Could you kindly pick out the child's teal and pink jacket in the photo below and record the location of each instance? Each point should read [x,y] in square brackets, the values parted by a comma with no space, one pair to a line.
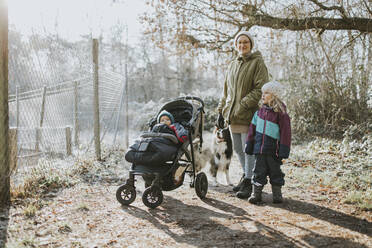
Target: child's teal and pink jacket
[269,133]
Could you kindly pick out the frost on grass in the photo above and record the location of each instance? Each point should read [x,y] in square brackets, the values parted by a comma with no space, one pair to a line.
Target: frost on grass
[335,166]
[50,175]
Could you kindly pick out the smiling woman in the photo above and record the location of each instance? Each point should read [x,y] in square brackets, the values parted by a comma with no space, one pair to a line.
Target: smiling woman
[241,93]
[71,19]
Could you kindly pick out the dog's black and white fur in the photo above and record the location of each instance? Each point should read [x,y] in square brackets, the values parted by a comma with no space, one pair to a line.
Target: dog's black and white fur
[219,157]
[222,153]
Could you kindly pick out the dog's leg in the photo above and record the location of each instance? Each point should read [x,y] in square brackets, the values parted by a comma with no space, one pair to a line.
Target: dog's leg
[213,170]
[225,168]
[214,182]
[227,178]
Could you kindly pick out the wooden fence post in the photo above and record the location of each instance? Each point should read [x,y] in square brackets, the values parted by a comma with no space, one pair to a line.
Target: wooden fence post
[13,148]
[4,108]
[76,120]
[68,141]
[97,140]
[126,131]
[38,129]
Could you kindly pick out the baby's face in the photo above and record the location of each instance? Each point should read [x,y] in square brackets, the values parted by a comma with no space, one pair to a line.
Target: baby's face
[165,120]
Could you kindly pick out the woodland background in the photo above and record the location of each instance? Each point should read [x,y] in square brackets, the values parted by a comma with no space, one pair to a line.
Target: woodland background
[321,52]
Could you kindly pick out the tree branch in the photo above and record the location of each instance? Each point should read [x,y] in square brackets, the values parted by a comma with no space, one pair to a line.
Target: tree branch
[367,7]
[199,44]
[352,23]
[339,8]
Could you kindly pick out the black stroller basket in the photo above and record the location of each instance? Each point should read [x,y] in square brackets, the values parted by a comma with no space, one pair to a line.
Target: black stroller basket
[188,111]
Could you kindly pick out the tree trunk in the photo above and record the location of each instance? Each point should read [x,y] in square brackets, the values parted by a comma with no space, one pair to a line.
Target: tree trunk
[4,108]
[354,78]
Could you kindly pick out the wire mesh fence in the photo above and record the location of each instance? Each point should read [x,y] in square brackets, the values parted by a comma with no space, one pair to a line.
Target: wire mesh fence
[51,110]
[41,116]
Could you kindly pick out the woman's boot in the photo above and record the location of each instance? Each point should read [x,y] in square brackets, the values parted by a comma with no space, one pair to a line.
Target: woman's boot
[277,193]
[237,187]
[245,190]
[256,196]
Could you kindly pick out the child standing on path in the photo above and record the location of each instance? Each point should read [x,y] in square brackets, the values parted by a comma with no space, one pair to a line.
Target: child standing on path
[269,138]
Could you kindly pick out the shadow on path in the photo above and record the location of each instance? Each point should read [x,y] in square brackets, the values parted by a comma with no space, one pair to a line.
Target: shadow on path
[326,214]
[224,226]
[317,240]
[320,212]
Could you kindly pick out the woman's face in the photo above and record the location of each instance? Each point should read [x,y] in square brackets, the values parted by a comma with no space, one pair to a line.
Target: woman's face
[244,45]
[266,97]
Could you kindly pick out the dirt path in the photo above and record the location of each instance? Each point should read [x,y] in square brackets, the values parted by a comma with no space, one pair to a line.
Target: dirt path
[88,215]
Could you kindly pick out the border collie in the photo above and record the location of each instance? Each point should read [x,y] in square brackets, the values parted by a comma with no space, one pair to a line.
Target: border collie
[222,150]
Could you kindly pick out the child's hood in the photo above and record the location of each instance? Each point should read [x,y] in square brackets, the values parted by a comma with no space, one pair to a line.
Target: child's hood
[267,107]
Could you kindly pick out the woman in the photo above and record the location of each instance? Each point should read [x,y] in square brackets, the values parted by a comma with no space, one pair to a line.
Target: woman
[245,76]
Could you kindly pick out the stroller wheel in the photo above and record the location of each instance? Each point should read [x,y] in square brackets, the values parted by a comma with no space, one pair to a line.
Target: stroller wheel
[152,197]
[201,185]
[126,194]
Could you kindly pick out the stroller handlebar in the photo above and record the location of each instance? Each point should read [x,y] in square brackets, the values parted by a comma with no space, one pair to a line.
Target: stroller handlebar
[192,98]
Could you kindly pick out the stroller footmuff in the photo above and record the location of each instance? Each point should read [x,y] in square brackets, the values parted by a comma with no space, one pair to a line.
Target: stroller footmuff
[162,160]
[151,149]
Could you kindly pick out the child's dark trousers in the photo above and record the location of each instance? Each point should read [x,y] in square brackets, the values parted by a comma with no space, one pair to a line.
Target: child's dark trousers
[267,165]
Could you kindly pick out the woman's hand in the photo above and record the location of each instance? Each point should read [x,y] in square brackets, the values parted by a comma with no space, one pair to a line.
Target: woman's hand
[220,121]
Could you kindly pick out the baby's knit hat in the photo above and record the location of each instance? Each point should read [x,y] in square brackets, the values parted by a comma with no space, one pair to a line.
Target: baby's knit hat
[274,88]
[240,34]
[164,112]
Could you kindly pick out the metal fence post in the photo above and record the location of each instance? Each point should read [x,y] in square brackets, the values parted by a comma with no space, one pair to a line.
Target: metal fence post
[76,120]
[17,107]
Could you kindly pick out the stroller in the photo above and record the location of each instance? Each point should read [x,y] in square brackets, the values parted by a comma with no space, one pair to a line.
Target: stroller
[168,175]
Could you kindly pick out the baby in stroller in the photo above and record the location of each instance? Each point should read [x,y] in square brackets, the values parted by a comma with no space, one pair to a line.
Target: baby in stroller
[163,155]
[160,144]
[167,118]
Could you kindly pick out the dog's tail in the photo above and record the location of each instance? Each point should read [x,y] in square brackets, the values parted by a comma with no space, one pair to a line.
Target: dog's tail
[207,152]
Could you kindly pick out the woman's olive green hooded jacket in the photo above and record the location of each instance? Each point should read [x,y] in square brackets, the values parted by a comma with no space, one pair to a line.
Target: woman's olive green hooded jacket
[242,88]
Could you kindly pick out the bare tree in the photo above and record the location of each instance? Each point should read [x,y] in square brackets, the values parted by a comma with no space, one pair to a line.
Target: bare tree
[235,15]
[329,69]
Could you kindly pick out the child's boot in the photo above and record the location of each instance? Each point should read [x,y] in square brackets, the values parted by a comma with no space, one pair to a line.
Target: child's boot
[237,187]
[277,193]
[256,196]
[245,190]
